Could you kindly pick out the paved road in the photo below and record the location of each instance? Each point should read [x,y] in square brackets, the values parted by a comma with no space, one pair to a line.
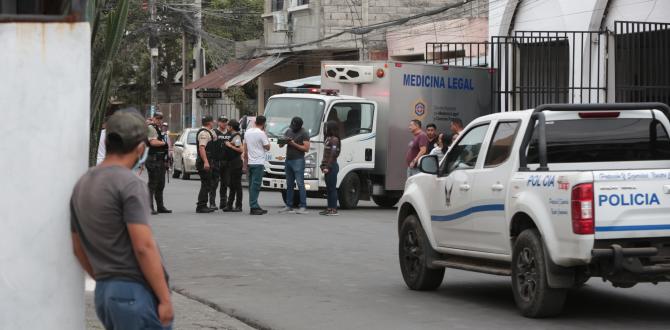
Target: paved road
[314,272]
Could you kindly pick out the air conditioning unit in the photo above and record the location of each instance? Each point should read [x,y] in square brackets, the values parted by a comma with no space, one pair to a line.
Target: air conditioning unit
[279,21]
[354,74]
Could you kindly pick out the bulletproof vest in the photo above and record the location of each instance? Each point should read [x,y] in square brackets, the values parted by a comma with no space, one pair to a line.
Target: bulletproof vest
[162,149]
[208,148]
[230,154]
[219,145]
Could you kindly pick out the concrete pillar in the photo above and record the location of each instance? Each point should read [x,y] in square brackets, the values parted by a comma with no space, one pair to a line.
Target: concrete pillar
[44,100]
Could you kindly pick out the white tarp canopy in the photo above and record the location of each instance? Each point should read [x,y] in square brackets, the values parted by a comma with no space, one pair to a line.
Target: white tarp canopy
[309,81]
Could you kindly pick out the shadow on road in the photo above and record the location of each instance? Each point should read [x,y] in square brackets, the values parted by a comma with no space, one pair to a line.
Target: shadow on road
[588,304]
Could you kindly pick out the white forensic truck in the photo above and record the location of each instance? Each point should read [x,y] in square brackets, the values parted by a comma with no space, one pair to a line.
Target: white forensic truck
[550,196]
[373,103]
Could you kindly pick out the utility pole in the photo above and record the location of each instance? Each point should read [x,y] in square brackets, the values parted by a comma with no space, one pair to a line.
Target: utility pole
[184,75]
[197,55]
[363,52]
[153,48]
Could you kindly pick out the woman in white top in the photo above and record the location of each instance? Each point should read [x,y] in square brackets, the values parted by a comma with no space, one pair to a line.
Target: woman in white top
[442,146]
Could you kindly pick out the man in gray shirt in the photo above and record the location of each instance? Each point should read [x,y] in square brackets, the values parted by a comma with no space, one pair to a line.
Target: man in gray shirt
[111,235]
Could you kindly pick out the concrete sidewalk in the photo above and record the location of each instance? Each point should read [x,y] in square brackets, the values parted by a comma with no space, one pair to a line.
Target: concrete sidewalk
[189,315]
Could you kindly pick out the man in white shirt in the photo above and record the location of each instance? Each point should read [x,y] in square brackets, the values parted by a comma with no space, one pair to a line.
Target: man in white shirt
[256,144]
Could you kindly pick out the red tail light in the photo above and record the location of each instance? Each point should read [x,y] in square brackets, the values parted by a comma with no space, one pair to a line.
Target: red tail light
[582,209]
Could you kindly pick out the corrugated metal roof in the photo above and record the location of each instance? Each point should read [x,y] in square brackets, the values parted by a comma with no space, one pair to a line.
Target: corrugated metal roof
[235,73]
[309,81]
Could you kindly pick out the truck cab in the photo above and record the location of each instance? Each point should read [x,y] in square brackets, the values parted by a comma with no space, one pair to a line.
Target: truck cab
[357,119]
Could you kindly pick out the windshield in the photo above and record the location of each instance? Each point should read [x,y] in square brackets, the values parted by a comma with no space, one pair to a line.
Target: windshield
[280,111]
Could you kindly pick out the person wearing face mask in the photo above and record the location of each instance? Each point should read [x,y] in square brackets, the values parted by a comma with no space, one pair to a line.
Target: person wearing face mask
[297,144]
[111,236]
[158,155]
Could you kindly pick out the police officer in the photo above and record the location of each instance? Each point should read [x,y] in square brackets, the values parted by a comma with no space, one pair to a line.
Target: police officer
[155,164]
[233,159]
[219,164]
[203,163]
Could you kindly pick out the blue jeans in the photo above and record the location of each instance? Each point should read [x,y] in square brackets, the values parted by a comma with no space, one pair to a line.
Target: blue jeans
[295,173]
[331,185]
[255,179]
[124,304]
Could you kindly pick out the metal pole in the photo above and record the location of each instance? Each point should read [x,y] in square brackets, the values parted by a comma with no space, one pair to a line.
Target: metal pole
[153,49]
[183,79]
[197,71]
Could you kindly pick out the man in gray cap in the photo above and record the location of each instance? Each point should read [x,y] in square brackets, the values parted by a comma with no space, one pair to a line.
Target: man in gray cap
[111,235]
[156,163]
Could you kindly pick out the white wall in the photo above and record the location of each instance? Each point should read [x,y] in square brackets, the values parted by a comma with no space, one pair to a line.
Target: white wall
[574,15]
[44,108]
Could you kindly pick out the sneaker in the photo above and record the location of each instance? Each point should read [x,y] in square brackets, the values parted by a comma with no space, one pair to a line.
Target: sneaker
[324,212]
[257,212]
[332,213]
[302,210]
[237,209]
[163,210]
[286,209]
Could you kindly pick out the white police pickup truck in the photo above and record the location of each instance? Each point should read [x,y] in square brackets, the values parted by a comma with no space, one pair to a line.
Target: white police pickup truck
[550,196]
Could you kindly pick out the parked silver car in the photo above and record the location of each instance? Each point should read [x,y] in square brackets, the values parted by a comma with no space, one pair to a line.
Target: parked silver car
[185,154]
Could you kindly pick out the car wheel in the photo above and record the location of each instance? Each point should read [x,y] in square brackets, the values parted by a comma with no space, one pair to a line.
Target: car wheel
[532,293]
[349,191]
[386,202]
[413,250]
[184,174]
[296,198]
[175,172]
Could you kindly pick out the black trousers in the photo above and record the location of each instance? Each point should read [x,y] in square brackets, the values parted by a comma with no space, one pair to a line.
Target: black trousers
[205,187]
[219,176]
[155,165]
[234,177]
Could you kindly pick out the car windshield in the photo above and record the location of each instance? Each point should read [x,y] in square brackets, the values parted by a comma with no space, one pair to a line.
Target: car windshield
[190,138]
[280,111]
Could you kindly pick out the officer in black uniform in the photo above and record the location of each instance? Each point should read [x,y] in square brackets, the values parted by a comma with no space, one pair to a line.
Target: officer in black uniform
[219,164]
[203,163]
[156,163]
[233,159]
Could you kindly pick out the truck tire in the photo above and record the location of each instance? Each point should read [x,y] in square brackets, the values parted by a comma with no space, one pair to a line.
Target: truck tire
[349,191]
[386,202]
[413,249]
[296,198]
[175,173]
[532,293]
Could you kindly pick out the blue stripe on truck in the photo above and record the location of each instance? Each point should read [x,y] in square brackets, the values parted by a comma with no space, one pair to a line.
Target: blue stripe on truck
[468,211]
[633,228]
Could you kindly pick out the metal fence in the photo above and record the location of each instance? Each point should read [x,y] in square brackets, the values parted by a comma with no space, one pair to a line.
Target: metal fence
[173,115]
[471,54]
[536,67]
[642,61]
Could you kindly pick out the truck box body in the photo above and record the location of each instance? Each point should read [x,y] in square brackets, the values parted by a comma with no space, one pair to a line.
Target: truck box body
[431,93]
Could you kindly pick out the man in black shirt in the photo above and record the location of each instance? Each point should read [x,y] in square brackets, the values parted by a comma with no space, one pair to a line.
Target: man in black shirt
[297,144]
[219,164]
[233,157]
[431,133]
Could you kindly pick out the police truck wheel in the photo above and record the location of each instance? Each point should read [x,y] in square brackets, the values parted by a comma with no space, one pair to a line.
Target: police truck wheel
[386,202]
[349,191]
[175,173]
[532,293]
[413,249]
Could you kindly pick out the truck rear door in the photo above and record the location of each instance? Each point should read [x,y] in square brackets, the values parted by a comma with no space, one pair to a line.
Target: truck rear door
[630,204]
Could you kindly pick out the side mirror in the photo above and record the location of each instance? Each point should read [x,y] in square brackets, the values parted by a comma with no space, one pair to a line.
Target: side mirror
[429,164]
[178,144]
